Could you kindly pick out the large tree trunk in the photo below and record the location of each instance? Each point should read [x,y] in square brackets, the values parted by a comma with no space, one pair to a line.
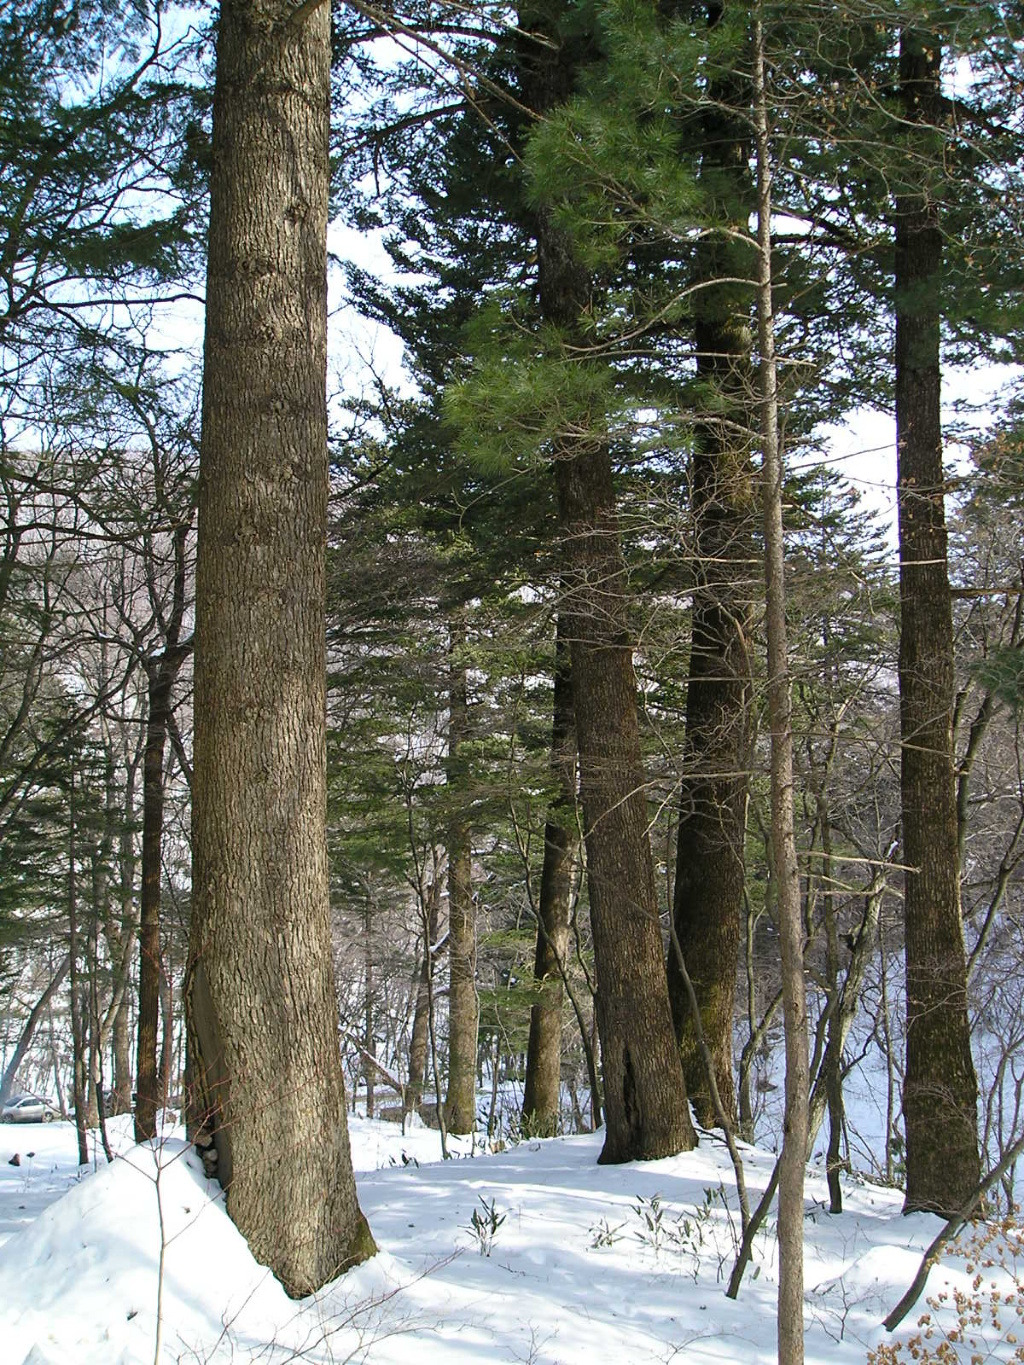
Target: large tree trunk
[940,1088]
[708,893]
[264,1052]
[646,1110]
[463,1005]
[542,1093]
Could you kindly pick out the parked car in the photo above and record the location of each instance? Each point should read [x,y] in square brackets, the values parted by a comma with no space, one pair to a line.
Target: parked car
[26,1109]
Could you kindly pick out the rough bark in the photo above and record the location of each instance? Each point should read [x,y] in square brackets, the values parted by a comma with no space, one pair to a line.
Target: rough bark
[94,1057]
[264,1055]
[463,1004]
[940,1086]
[646,1110]
[542,1091]
[708,889]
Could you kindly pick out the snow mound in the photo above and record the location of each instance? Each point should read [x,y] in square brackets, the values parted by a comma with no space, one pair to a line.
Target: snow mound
[81,1283]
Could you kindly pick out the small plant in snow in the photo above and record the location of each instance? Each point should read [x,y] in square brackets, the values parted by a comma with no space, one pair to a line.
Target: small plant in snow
[655,1228]
[602,1234]
[725,1248]
[693,1235]
[484,1224]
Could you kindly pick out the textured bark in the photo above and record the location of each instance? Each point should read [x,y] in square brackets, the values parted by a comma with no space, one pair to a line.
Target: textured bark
[940,1087]
[542,1091]
[646,1110]
[264,1055]
[119,1097]
[708,891]
[463,1005]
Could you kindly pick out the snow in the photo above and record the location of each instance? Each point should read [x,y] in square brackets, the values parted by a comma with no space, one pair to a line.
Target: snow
[609,1263]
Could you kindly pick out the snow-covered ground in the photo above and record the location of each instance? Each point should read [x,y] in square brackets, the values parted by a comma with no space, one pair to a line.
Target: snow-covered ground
[587,1264]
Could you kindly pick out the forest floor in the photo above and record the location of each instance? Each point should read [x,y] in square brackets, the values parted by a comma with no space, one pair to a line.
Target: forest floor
[534,1254]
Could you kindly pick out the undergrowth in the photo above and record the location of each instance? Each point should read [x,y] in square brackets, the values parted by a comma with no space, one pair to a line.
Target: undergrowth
[981,1323]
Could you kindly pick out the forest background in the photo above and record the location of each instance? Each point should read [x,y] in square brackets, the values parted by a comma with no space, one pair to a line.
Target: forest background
[568,198]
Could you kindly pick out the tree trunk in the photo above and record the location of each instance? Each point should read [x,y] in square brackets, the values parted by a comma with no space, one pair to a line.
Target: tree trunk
[119,1098]
[780,712]
[79,1071]
[264,1053]
[28,1032]
[940,1087]
[147,1081]
[708,893]
[419,1043]
[832,1063]
[120,934]
[161,671]
[463,1006]
[542,1094]
[166,1065]
[369,1041]
[646,1110]
[94,1097]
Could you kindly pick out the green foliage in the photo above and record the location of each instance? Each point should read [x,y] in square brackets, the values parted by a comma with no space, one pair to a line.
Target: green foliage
[89,212]
[1002,674]
[525,394]
[484,1223]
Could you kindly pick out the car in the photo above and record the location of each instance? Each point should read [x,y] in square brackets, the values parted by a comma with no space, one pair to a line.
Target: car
[26,1109]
